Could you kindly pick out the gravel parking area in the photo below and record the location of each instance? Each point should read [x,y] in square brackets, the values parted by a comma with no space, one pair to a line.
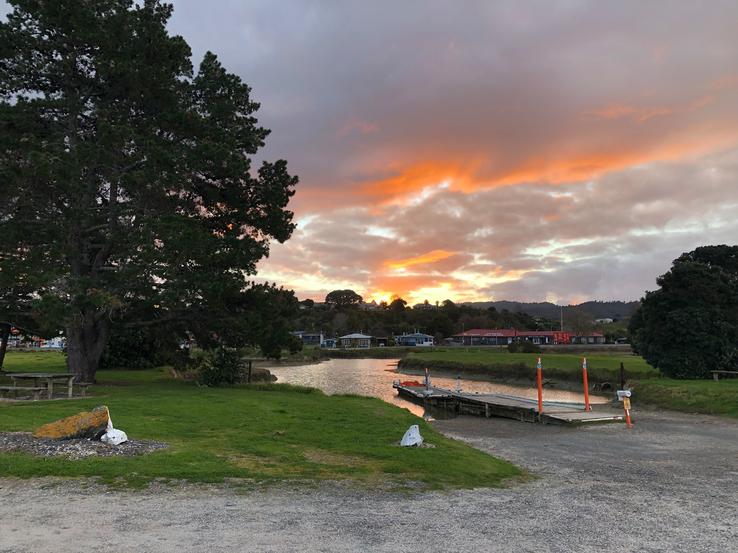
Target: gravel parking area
[669,484]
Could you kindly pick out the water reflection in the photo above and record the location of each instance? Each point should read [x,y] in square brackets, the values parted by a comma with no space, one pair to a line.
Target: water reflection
[374,377]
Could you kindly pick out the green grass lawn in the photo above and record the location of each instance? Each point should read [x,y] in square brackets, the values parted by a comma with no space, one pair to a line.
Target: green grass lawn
[601,366]
[692,396]
[262,433]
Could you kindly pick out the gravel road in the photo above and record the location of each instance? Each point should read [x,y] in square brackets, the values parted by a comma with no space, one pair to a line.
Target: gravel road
[669,484]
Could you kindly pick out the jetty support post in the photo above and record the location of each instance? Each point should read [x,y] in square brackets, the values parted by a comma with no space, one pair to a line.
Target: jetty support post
[539,382]
[587,406]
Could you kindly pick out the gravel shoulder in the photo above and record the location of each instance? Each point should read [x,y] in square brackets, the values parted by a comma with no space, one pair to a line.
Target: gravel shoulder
[669,484]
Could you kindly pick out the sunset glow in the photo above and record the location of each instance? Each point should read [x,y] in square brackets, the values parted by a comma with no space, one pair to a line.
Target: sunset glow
[495,151]
[423,259]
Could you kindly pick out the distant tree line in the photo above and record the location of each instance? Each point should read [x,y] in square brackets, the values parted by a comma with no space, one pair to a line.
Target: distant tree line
[343,312]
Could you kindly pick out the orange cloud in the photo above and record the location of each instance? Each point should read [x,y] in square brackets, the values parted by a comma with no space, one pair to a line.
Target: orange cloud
[430,257]
[419,176]
[585,167]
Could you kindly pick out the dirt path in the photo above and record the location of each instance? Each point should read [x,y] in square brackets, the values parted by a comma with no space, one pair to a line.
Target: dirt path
[670,484]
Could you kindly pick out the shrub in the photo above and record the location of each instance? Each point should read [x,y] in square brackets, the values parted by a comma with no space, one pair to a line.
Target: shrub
[523,346]
[217,367]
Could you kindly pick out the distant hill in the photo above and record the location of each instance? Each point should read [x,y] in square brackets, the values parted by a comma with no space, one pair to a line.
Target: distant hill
[594,309]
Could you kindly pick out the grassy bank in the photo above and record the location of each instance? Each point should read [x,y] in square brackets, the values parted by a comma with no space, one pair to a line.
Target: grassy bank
[691,396]
[368,353]
[504,365]
[311,354]
[263,433]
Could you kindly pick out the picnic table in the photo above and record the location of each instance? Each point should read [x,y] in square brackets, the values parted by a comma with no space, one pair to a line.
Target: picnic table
[716,374]
[46,379]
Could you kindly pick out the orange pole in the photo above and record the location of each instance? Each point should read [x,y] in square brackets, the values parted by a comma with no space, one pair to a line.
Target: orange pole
[587,406]
[626,407]
[539,381]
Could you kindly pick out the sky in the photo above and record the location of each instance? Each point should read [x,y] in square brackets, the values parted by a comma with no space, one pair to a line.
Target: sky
[524,150]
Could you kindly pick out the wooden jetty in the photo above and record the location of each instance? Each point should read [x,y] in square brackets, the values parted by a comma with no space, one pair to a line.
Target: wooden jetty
[503,405]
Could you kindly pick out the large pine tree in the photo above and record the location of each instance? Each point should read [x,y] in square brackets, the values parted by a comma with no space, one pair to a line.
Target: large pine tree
[126,187]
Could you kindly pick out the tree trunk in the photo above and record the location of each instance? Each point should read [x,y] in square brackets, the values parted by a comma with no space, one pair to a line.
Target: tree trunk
[87,335]
[4,335]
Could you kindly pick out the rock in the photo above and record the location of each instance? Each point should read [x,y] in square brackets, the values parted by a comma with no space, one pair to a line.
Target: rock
[87,424]
[262,375]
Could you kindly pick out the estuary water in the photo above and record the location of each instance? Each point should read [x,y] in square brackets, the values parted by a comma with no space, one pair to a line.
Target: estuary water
[374,377]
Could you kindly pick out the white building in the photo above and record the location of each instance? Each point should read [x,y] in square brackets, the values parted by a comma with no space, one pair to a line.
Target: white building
[356,340]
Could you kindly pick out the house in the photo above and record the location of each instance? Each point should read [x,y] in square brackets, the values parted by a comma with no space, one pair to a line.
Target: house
[543,337]
[309,338]
[329,343]
[414,339]
[505,336]
[355,340]
[56,343]
[486,337]
[589,338]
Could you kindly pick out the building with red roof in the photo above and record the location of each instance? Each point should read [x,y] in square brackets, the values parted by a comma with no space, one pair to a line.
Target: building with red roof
[505,336]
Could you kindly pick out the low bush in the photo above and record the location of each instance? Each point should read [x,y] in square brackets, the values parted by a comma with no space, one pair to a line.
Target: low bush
[524,346]
[217,367]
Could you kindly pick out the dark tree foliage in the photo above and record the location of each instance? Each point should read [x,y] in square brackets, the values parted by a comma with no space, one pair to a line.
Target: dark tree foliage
[343,298]
[141,348]
[398,304]
[689,326]
[126,182]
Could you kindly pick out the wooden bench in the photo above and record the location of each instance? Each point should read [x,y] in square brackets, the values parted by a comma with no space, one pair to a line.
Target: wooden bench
[35,390]
[716,374]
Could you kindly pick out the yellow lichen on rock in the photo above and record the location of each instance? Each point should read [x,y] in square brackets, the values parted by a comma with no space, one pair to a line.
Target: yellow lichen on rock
[87,424]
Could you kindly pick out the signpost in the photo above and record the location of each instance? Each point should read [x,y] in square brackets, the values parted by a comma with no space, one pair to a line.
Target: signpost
[624,396]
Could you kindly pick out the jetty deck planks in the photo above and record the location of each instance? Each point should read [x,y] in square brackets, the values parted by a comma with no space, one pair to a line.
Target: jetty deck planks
[503,405]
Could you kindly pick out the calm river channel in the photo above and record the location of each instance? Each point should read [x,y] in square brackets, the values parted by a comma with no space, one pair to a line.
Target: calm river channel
[374,377]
